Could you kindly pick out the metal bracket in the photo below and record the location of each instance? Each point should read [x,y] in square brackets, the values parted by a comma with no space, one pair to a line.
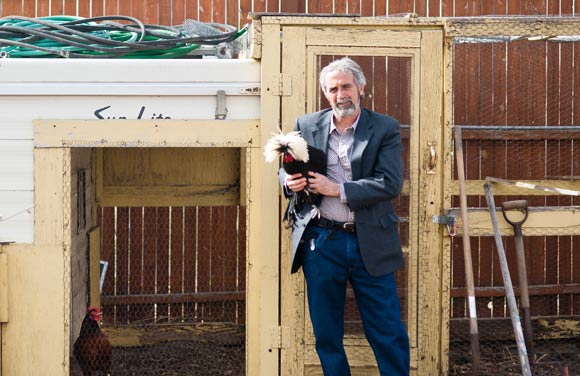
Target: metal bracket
[448,220]
[221,110]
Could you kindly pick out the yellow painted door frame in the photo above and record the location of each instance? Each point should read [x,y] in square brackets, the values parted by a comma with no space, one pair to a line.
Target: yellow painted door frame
[53,142]
[302,40]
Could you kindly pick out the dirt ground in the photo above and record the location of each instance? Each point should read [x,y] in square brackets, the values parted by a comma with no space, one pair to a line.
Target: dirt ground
[219,350]
[501,358]
[197,350]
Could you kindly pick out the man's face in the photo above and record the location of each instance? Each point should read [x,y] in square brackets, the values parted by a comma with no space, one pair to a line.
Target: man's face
[343,94]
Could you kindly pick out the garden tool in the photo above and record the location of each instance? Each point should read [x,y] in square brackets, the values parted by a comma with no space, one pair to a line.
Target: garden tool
[473,330]
[507,282]
[521,206]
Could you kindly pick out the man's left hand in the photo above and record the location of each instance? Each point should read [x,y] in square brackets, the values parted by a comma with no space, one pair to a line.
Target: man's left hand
[320,184]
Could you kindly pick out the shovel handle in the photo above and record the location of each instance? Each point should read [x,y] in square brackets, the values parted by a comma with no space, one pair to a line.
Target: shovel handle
[521,205]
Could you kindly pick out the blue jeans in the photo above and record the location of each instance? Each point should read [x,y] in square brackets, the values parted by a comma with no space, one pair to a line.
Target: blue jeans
[329,262]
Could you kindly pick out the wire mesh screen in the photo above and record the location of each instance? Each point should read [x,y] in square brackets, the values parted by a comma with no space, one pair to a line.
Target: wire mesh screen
[173,294]
[387,92]
[516,102]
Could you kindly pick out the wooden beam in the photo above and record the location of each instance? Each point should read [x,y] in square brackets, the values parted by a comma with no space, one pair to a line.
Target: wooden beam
[146,133]
[200,297]
[546,221]
[538,290]
[499,134]
[475,187]
[197,195]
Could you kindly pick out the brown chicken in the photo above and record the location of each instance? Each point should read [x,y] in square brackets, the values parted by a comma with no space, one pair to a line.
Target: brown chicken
[92,348]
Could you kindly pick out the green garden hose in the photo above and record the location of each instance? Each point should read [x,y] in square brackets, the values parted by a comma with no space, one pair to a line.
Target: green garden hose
[102,37]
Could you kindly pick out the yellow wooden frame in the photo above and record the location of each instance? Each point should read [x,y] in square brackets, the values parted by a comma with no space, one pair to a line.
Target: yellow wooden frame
[301,44]
[54,140]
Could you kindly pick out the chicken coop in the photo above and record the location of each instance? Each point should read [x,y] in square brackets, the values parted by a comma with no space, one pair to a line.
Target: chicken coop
[140,186]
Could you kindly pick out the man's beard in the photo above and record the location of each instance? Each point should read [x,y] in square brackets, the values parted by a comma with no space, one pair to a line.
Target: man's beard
[344,111]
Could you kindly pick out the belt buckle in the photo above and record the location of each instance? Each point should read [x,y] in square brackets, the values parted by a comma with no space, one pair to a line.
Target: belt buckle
[348,226]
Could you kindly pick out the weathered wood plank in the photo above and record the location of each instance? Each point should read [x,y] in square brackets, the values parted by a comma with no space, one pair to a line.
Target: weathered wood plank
[146,133]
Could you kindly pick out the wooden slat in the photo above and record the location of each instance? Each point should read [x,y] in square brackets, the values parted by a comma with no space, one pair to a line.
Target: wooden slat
[162,260]
[565,262]
[232,10]
[576,273]
[475,187]
[242,260]
[111,7]
[360,37]
[150,231]
[218,11]
[121,260]
[165,12]
[192,9]
[203,257]
[534,290]
[177,15]
[95,266]
[146,133]
[84,8]
[537,134]
[230,262]
[108,255]
[204,11]
[164,299]
[540,222]
[177,276]
[125,8]
[207,195]
[12,8]
[217,252]
[56,7]
[97,8]
[136,258]
[189,258]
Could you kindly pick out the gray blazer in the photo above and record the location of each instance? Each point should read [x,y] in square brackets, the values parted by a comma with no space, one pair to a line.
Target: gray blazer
[377,178]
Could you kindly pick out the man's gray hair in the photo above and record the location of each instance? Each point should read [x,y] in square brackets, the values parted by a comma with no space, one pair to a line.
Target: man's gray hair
[343,65]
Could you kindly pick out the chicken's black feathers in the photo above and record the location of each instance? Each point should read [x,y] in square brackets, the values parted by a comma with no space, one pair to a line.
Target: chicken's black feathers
[297,157]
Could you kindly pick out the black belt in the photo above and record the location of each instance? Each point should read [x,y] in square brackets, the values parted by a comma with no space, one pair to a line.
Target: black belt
[340,226]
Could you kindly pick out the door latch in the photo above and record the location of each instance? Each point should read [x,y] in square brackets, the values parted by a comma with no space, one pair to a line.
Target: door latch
[450,221]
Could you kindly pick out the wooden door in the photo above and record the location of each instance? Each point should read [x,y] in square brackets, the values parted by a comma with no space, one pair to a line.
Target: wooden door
[404,80]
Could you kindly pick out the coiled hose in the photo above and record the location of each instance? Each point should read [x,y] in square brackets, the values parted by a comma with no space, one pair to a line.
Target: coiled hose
[102,37]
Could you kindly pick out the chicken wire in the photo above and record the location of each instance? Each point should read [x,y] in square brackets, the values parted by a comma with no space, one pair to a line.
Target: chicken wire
[515,99]
[388,91]
[173,295]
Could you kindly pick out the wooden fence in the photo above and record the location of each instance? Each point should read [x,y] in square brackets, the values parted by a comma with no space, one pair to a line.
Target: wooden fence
[235,12]
[171,264]
[510,84]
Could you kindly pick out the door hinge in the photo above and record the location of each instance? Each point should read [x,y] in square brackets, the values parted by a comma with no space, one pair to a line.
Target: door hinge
[279,337]
[284,85]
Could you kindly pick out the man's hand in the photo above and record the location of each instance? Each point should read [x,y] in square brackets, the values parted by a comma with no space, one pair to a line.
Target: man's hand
[320,184]
[295,182]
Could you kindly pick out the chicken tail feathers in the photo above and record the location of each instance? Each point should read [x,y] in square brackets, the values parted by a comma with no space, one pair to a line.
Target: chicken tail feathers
[292,211]
[292,142]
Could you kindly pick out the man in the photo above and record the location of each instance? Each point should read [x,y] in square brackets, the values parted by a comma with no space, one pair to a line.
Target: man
[356,238]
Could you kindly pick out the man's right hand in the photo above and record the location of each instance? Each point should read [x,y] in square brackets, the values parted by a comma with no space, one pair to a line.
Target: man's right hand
[295,182]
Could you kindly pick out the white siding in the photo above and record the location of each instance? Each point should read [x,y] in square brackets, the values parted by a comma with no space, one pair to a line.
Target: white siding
[88,89]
